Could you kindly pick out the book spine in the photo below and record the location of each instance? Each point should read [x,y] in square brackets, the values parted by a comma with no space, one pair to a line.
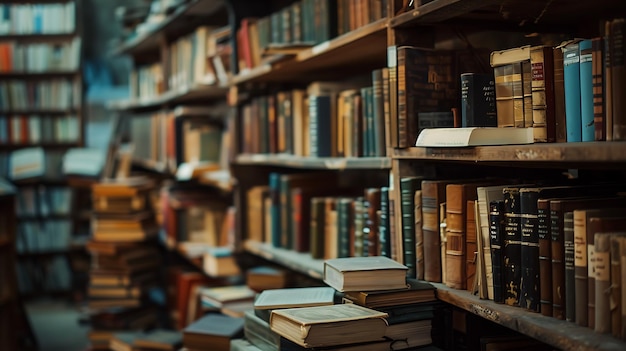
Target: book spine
[431,198]
[317,227]
[530,292]
[456,200]
[618,81]
[518,94]
[343,227]
[496,236]
[608,79]
[558,262]
[512,246]
[403,120]
[598,82]
[392,68]
[372,196]
[503,78]
[358,221]
[616,286]
[527,93]
[274,184]
[379,113]
[622,279]
[542,87]
[571,75]
[407,199]
[478,108]
[471,245]
[570,288]
[559,97]
[586,90]
[383,231]
[419,234]
[602,282]
[580,268]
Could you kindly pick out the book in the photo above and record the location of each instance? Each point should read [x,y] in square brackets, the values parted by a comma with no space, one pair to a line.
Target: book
[474,136]
[509,66]
[212,331]
[433,194]
[478,102]
[496,239]
[586,90]
[159,339]
[123,341]
[471,247]
[602,265]
[329,325]
[543,99]
[408,187]
[269,300]
[571,69]
[417,291]
[598,54]
[364,273]
[267,277]
[220,262]
[618,292]
[570,274]
[230,298]
[617,71]
[258,332]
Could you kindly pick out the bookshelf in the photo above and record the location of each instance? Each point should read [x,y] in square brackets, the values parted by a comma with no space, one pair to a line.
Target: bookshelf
[42,109]
[441,24]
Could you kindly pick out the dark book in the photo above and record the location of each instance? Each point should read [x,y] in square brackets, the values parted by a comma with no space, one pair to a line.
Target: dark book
[598,82]
[415,292]
[371,236]
[408,187]
[559,96]
[378,101]
[478,101]
[345,227]
[496,236]
[512,246]
[213,331]
[320,121]
[618,74]
[383,231]
[570,276]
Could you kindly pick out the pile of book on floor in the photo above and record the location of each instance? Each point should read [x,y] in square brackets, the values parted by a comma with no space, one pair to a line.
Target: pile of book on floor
[125,260]
[369,304]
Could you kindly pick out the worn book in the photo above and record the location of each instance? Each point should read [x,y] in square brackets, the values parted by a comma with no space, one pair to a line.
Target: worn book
[212,331]
[267,277]
[474,136]
[329,325]
[233,300]
[364,273]
[602,265]
[220,262]
[478,101]
[269,300]
[159,339]
[416,291]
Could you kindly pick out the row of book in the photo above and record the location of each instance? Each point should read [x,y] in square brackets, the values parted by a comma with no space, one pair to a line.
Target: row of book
[48,18]
[187,135]
[34,129]
[32,201]
[50,274]
[27,57]
[53,94]
[147,82]
[201,57]
[302,24]
[325,120]
[31,162]
[43,236]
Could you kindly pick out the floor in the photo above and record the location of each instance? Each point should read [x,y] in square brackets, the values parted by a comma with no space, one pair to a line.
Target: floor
[56,324]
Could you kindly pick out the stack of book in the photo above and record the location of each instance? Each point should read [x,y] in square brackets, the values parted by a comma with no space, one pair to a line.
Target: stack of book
[369,304]
[125,260]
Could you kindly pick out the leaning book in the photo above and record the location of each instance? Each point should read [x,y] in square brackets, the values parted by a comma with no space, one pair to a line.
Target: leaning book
[329,325]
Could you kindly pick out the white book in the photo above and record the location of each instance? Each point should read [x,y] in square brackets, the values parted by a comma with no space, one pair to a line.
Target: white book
[474,136]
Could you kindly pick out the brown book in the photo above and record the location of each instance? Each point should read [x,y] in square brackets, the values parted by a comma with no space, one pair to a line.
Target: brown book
[185,283]
[128,187]
[372,205]
[602,267]
[583,258]
[597,72]
[618,77]
[608,82]
[433,194]
[559,96]
[471,247]
[543,108]
[255,224]
[598,225]
[457,196]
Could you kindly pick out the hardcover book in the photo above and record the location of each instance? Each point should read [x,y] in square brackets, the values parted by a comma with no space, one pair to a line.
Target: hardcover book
[274,299]
[364,273]
[329,325]
[416,291]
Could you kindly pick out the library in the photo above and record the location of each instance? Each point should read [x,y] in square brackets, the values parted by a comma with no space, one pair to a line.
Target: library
[340,175]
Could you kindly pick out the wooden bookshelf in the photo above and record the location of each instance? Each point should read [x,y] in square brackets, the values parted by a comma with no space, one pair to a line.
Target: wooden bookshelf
[561,334]
[334,163]
[171,98]
[365,45]
[184,18]
[297,261]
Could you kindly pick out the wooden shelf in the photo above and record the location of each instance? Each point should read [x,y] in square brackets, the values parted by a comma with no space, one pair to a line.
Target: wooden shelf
[315,162]
[561,334]
[297,261]
[185,17]
[39,37]
[541,154]
[42,112]
[438,11]
[172,97]
[52,145]
[365,46]
[39,75]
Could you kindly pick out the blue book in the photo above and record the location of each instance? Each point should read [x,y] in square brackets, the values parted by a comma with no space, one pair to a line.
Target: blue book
[571,72]
[586,90]
[274,185]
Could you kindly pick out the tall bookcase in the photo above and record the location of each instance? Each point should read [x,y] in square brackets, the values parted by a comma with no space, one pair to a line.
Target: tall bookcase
[41,117]
[358,45]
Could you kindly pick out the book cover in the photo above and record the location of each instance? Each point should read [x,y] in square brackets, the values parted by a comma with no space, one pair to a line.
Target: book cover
[329,325]
[478,104]
[364,273]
